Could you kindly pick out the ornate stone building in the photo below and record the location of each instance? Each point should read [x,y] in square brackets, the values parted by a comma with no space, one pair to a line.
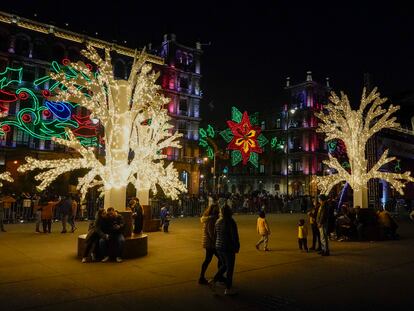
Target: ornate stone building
[32,46]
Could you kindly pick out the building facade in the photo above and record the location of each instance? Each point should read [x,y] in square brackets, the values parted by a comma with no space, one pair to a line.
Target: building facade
[27,49]
[288,168]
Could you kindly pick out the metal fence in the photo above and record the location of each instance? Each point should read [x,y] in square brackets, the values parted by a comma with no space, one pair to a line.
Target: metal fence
[190,207]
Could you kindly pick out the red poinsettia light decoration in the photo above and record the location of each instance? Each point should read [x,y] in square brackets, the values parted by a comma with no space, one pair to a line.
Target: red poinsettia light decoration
[244,137]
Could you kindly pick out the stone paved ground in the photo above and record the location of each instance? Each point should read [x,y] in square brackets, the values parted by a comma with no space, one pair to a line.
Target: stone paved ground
[41,272]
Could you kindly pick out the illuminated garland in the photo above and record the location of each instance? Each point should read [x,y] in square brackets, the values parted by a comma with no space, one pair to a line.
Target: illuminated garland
[244,138]
[354,128]
[132,143]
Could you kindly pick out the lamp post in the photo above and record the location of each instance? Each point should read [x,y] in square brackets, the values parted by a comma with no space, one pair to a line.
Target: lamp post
[292,111]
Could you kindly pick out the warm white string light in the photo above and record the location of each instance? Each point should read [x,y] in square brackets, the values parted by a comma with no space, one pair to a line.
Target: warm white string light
[354,128]
[6,177]
[135,122]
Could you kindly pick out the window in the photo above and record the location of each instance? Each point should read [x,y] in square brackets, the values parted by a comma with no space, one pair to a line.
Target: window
[278,124]
[261,169]
[182,127]
[22,137]
[183,109]
[183,83]
[184,177]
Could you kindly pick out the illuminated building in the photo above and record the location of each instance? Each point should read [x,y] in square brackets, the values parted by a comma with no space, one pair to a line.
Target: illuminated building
[298,161]
[32,46]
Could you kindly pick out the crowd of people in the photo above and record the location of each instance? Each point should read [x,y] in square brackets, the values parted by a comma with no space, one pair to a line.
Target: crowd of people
[105,238]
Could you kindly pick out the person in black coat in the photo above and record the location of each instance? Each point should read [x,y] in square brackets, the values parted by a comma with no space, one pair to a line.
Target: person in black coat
[138,215]
[227,245]
[113,227]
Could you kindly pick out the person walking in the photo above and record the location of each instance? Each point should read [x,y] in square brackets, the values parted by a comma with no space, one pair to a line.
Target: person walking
[73,213]
[208,221]
[322,221]
[263,230]
[227,246]
[65,210]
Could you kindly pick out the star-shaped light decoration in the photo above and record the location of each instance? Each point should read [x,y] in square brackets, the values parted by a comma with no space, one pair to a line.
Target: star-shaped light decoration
[244,138]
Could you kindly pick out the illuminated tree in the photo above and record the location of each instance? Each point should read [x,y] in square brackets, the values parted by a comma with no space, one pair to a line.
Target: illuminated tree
[136,127]
[354,128]
[5,176]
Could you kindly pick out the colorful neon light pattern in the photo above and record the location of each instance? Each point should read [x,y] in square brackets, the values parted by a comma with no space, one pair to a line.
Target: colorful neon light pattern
[244,138]
[50,119]
[205,141]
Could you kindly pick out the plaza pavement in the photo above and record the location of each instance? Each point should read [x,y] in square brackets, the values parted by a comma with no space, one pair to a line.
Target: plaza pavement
[41,272]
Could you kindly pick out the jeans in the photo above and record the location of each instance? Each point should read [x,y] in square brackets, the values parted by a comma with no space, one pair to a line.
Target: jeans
[117,240]
[228,259]
[64,222]
[316,237]
[324,239]
[210,252]
[264,239]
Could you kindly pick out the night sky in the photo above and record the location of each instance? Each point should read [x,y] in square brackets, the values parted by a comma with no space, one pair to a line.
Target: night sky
[256,45]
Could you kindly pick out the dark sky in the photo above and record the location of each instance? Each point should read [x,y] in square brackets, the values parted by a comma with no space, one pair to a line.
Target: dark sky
[256,44]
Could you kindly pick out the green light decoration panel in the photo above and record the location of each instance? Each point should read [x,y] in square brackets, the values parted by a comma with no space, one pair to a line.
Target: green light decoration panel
[39,116]
[206,140]
[277,144]
[244,138]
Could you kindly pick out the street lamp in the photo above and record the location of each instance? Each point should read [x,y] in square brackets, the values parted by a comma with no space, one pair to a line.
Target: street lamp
[292,111]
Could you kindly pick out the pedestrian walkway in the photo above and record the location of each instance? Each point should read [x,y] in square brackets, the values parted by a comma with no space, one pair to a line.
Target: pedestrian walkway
[41,272]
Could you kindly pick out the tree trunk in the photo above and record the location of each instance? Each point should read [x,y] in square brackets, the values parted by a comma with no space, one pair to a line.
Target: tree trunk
[116,198]
[143,196]
[361,197]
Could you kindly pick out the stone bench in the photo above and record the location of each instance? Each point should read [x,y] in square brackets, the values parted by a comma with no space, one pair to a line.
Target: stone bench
[135,246]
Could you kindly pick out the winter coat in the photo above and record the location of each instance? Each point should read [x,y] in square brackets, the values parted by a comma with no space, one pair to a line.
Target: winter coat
[209,239]
[227,237]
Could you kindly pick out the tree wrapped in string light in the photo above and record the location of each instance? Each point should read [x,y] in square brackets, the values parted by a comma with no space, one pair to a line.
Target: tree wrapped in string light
[354,128]
[136,125]
[6,177]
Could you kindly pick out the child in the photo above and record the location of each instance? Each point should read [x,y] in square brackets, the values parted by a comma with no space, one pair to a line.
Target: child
[302,235]
[263,230]
[165,218]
